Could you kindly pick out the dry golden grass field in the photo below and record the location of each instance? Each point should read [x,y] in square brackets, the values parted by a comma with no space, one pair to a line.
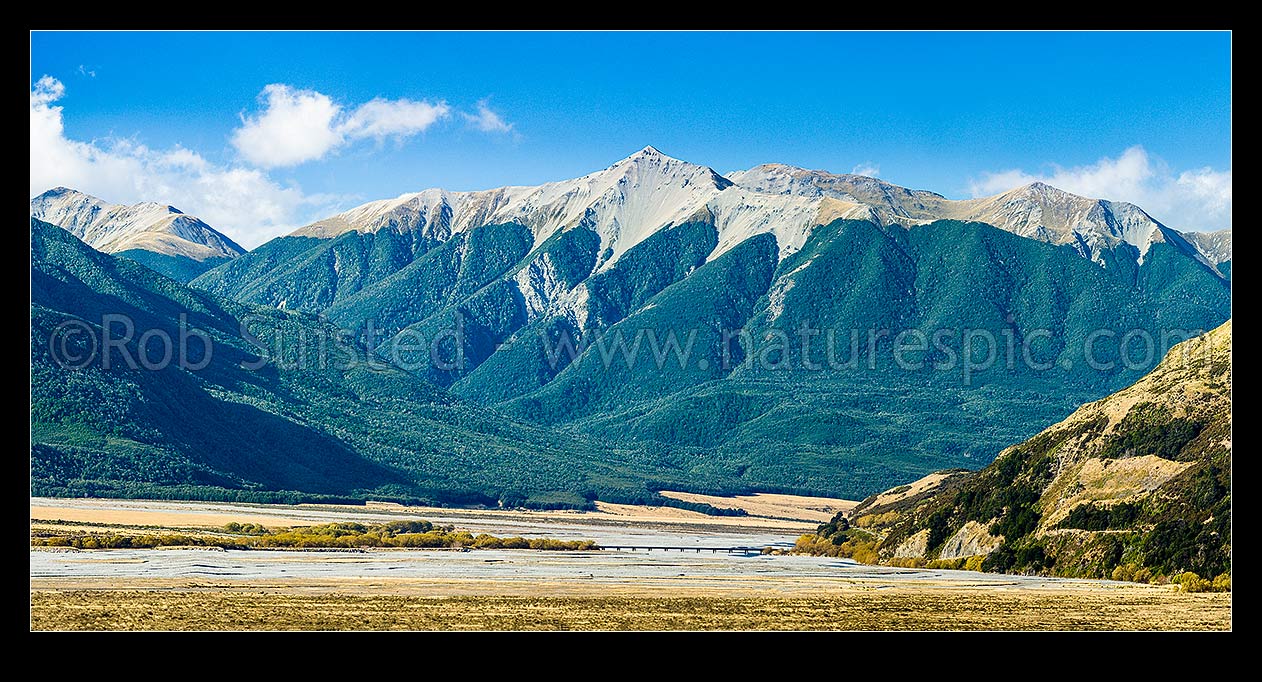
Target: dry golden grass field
[526,590]
[897,609]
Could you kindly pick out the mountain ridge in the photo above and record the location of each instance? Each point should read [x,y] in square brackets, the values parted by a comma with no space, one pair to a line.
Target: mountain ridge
[1036,210]
[1215,246]
[785,200]
[157,235]
[520,270]
[1136,485]
[295,428]
[623,203]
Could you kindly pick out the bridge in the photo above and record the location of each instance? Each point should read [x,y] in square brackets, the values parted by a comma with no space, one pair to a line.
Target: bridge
[660,548]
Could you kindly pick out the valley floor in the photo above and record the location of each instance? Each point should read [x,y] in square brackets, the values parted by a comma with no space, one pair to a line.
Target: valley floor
[275,608]
[195,589]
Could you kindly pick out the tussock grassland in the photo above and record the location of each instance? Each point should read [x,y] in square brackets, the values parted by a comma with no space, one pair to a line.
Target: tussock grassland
[771,505]
[885,610]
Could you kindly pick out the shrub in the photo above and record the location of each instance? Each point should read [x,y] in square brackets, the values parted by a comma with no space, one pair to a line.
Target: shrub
[948,564]
[1165,440]
[244,528]
[939,529]
[908,562]
[1191,582]
[1124,572]
[862,551]
[1000,560]
[414,534]
[1092,517]
[871,520]
[865,553]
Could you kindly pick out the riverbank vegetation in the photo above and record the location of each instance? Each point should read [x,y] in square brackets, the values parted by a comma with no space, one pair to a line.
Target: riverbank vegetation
[402,534]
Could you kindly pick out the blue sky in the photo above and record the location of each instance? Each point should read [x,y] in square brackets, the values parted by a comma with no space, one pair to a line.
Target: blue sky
[261,132]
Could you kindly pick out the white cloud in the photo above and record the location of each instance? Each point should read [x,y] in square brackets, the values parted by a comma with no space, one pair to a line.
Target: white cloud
[85,71]
[381,118]
[867,168]
[297,126]
[1195,199]
[46,91]
[487,120]
[243,203]
[293,127]
[185,159]
[1210,188]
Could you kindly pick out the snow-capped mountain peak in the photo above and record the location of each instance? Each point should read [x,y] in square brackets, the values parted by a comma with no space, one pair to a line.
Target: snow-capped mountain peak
[649,152]
[1041,211]
[1040,187]
[623,203]
[649,163]
[647,191]
[778,178]
[1037,210]
[1215,246]
[147,226]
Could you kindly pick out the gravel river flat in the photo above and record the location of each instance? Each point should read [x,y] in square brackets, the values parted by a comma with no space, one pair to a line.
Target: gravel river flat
[524,589]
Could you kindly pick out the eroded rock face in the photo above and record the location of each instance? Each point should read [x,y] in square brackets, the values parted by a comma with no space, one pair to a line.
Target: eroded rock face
[972,539]
[914,546]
